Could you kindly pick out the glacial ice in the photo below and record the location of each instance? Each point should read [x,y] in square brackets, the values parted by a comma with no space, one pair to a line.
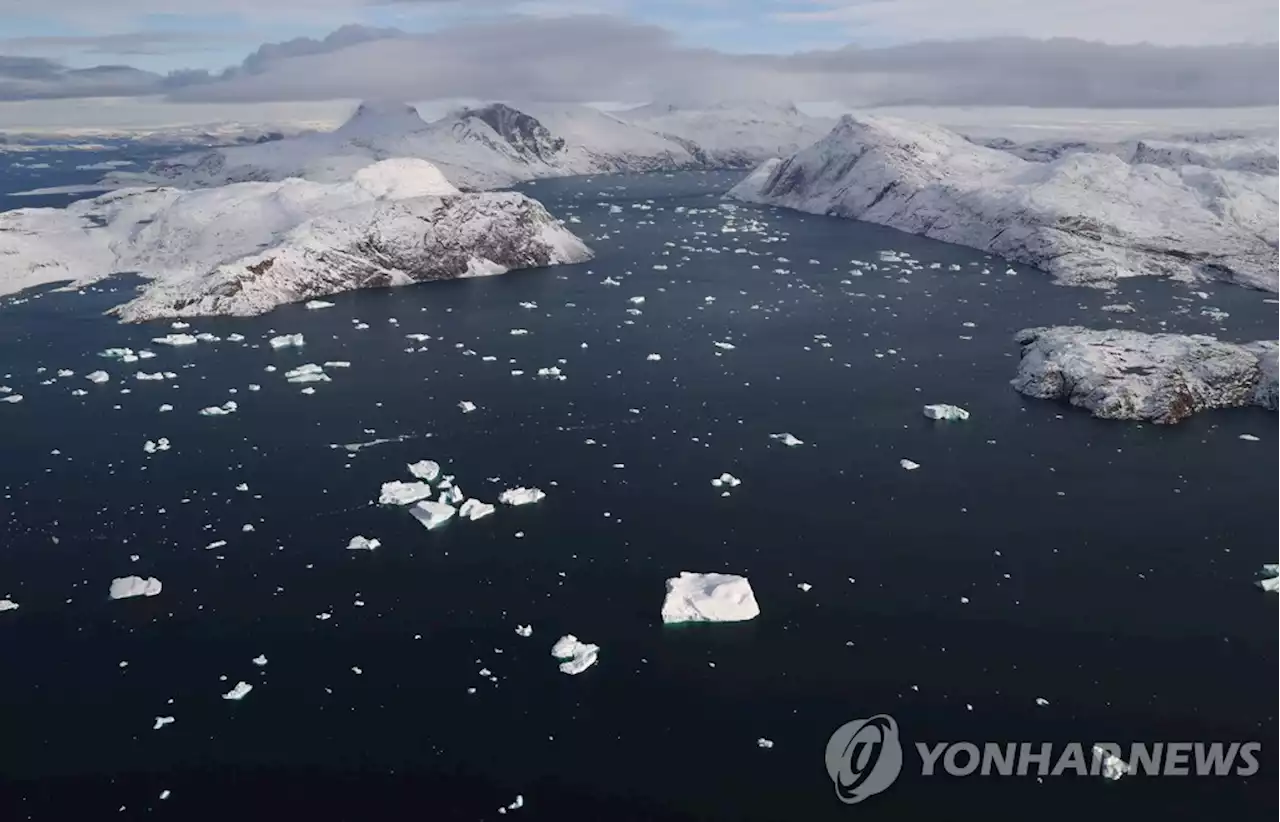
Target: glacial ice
[359,543]
[403,493]
[467,407]
[1270,581]
[97,377]
[432,514]
[287,341]
[427,470]
[132,586]
[787,440]
[228,407]
[578,656]
[943,411]
[521,496]
[474,509]
[315,304]
[8,605]
[174,340]
[307,373]
[693,597]
[239,692]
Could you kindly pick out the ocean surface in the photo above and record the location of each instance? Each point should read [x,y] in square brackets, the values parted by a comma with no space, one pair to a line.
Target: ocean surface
[1106,569]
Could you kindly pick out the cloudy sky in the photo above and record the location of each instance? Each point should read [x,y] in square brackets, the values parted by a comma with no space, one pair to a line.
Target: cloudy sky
[1119,53]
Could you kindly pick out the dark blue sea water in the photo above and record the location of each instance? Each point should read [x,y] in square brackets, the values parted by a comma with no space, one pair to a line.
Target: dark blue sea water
[1037,553]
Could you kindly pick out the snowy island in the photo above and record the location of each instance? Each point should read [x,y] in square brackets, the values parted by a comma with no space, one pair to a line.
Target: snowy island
[1128,375]
[245,248]
[1088,216]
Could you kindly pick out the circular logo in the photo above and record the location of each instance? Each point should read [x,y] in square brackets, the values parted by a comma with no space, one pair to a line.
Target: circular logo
[864,757]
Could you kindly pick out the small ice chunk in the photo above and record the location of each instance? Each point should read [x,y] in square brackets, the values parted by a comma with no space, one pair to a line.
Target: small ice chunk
[228,407]
[695,597]
[260,660]
[359,543]
[1041,701]
[943,411]
[337,364]
[287,341]
[403,493]
[11,398]
[908,464]
[521,496]
[1113,767]
[726,479]
[519,332]
[1249,438]
[165,407]
[467,407]
[524,630]
[474,509]
[97,377]
[787,440]
[126,587]
[578,656]
[1271,578]
[432,514]
[1119,308]
[764,743]
[425,470]
[553,371]
[161,721]
[654,357]
[151,447]
[173,340]
[317,304]
[239,692]
[307,373]
[724,346]
[8,605]
[636,300]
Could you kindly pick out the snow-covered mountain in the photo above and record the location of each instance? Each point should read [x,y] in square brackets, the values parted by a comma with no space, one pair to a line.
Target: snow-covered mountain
[497,145]
[1230,151]
[1087,218]
[477,148]
[1127,375]
[244,248]
[734,135]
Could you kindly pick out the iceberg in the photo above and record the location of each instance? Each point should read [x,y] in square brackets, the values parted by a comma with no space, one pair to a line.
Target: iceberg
[521,496]
[161,444]
[432,514]
[287,341]
[239,692]
[578,656]
[307,373]
[11,398]
[228,407]
[787,440]
[1113,767]
[1270,581]
[317,304]
[524,630]
[474,509]
[126,587]
[174,340]
[403,493]
[161,721]
[908,464]
[467,407]
[942,411]
[709,598]
[427,470]
[359,543]
[97,377]
[8,605]
[726,479]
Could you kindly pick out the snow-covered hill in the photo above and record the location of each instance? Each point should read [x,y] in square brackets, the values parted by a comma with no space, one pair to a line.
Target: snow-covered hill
[1087,218]
[737,135]
[244,248]
[1230,151]
[497,145]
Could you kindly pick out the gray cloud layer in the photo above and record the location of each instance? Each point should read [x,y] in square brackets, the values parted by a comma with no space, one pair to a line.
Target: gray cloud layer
[588,58]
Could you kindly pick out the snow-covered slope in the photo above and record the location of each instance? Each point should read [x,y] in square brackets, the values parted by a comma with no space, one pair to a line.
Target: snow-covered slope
[1231,152]
[1087,218]
[1128,375]
[245,248]
[486,147]
[734,135]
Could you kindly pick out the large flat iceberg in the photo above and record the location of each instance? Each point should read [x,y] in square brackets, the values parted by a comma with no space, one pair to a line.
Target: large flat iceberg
[709,598]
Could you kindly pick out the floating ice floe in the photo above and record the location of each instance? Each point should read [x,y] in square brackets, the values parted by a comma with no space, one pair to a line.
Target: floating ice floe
[165,407]
[260,660]
[174,340]
[239,692]
[11,398]
[1042,702]
[307,373]
[143,376]
[122,354]
[425,470]
[97,377]
[474,509]
[726,480]
[636,300]
[126,587]
[519,332]
[908,464]
[317,304]
[578,656]
[287,341]
[1113,767]
[228,407]
[805,587]
[787,440]
[553,371]
[359,543]
[432,514]
[66,372]
[1249,438]
[943,411]
[8,605]
[764,743]
[1271,578]
[1119,308]
[467,407]
[724,346]
[654,357]
[337,364]
[161,721]
[709,598]
[524,630]
[161,444]
[403,493]
[521,496]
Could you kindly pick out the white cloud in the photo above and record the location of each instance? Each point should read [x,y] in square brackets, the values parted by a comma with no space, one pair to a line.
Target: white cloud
[1165,22]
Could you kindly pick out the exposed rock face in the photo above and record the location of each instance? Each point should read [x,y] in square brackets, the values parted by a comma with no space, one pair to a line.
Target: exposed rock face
[1129,375]
[526,135]
[1087,218]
